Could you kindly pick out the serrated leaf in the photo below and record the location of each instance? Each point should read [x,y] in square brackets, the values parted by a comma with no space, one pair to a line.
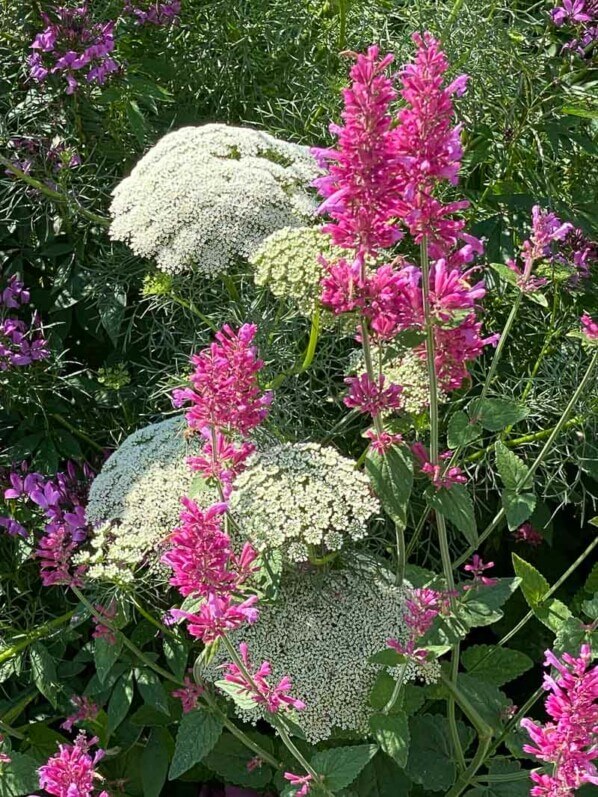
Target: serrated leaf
[461,430]
[120,701]
[518,507]
[105,656]
[495,665]
[511,469]
[43,670]
[154,762]
[456,506]
[19,777]
[552,613]
[505,272]
[495,414]
[198,733]
[488,699]
[152,691]
[381,778]
[590,608]
[431,762]
[481,605]
[591,585]
[392,476]
[176,653]
[387,658]
[392,734]
[382,690]
[230,758]
[237,693]
[341,765]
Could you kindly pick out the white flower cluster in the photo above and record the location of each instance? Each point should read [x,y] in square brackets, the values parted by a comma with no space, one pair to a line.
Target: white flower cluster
[135,501]
[321,632]
[407,369]
[288,263]
[203,197]
[302,497]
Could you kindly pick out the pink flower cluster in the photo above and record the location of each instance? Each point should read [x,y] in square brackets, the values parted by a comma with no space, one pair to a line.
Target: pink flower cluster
[255,685]
[569,742]
[422,608]
[438,474]
[528,534]
[153,12]
[302,781]
[72,44]
[4,757]
[583,16]
[33,152]
[102,631]
[21,344]
[226,400]
[384,172]
[546,230]
[477,567]
[86,711]
[72,771]
[589,328]
[188,694]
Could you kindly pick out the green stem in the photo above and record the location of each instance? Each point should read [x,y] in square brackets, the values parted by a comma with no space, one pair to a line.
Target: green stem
[499,517]
[43,631]
[11,731]
[342,29]
[396,691]
[445,553]
[501,344]
[314,335]
[57,196]
[532,437]
[210,702]
[77,432]
[193,309]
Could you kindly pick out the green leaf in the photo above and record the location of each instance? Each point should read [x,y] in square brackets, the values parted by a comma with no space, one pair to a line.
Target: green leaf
[43,670]
[381,778]
[481,606]
[392,477]
[176,653]
[111,308]
[120,701]
[511,469]
[19,777]
[456,506]
[579,110]
[489,701]
[495,665]
[518,507]
[392,734]
[237,693]
[505,272]
[591,585]
[382,690]
[387,658]
[495,414]
[136,121]
[148,716]
[590,608]
[341,765]
[552,613]
[198,733]
[152,690]
[230,757]
[105,656]
[431,761]
[461,430]
[154,762]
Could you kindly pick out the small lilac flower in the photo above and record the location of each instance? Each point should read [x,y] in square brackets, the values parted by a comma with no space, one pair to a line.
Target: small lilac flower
[86,711]
[304,781]
[188,694]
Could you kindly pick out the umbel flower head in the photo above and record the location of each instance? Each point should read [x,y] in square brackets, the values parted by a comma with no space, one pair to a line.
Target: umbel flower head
[204,197]
[320,633]
[134,502]
[302,498]
[289,263]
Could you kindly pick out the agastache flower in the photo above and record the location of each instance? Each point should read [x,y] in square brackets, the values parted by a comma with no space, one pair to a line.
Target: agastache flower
[422,607]
[372,397]
[362,182]
[102,631]
[4,757]
[221,459]
[153,12]
[55,552]
[304,781]
[477,567]
[546,230]
[188,694]
[381,442]
[71,772]
[217,616]
[86,711]
[528,534]
[567,743]
[273,698]
[439,475]
[589,328]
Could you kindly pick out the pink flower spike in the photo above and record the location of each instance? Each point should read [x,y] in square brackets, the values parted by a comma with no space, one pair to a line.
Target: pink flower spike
[217,616]
[188,694]
[256,686]
[103,631]
[477,568]
[567,743]
[528,534]
[71,772]
[383,441]
[372,397]
[438,474]
[589,327]
[86,712]
[304,781]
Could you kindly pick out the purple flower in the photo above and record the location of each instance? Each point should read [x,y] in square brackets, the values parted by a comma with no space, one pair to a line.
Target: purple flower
[13,527]
[153,12]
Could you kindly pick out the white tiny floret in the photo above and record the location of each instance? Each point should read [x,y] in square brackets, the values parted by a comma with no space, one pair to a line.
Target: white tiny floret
[321,632]
[203,197]
[300,497]
[288,262]
[135,501]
